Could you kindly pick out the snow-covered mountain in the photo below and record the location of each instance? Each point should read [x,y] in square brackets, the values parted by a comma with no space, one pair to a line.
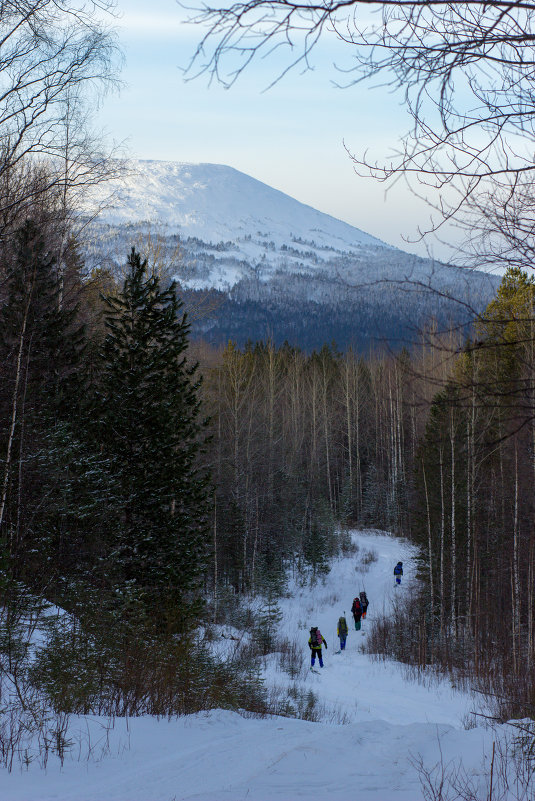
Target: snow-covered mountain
[216,203]
[215,228]
[236,217]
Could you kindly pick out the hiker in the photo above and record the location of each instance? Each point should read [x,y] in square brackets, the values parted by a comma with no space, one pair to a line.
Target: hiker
[315,641]
[398,572]
[364,603]
[342,630]
[356,610]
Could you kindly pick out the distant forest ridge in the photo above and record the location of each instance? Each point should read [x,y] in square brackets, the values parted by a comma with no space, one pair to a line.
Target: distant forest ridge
[297,292]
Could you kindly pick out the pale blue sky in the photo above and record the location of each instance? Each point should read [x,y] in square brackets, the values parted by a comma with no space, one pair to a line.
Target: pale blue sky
[290,136]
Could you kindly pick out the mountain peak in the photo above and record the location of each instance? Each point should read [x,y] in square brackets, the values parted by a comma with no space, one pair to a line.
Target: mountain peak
[215,203]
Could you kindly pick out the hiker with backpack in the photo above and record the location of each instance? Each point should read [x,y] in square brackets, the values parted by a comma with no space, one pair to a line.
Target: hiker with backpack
[342,631]
[398,572]
[364,603]
[315,641]
[356,610]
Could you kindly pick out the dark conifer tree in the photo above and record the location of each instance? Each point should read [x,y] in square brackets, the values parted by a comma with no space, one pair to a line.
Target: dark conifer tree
[41,348]
[147,420]
[35,321]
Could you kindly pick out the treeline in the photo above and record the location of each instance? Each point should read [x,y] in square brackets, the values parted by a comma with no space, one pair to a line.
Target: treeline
[300,444]
[475,471]
[371,320]
[437,444]
[467,445]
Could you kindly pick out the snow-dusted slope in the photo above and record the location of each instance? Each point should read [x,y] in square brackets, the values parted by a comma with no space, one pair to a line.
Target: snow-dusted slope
[219,756]
[232,228]
[214,228]
[217,203]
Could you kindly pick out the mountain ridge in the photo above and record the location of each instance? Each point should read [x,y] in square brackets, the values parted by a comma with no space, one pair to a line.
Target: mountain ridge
[211,201]
[278,263]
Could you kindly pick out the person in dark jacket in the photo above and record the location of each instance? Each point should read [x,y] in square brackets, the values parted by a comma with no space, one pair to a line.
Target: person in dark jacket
[356,611]
[364,603]
[398,572]
[342,631]
[315,641]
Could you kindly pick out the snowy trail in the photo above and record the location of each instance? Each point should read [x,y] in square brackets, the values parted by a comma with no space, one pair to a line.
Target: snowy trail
[363,688]
[221,756]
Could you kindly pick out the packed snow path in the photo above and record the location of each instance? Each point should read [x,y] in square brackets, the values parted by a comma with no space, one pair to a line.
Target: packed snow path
[221,755]
[361,688]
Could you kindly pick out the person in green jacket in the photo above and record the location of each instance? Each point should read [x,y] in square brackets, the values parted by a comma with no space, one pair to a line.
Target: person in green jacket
[342,630]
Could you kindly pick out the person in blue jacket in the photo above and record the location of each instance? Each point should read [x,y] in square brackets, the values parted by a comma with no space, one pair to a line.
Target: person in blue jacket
[398,572]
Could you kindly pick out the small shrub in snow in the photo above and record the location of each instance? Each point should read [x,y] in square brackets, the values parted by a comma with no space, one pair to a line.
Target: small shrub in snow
[469,721]
[367,559]
[506,775]
[331,600]
[306,703]
[291,659]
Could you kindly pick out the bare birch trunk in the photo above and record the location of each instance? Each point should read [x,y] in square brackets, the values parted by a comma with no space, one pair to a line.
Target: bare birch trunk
[442,540]
[453,530]
[349,427]
[255,547]
[468,520]
[430,546]
[513,638]
[477,596]
[357,438]
[14,408]
[530,601]
[470,483]
[15,537]
[327,438]
[215,561]
[271,418]
[516,577]
[393,446]
[314,421]
[399,425]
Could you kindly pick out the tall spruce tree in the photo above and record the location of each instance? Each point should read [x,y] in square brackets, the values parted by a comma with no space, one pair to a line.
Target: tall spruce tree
[147,420]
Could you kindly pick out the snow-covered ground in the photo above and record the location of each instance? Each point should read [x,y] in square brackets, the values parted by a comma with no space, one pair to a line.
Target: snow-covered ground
[360,688]
[392,721]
